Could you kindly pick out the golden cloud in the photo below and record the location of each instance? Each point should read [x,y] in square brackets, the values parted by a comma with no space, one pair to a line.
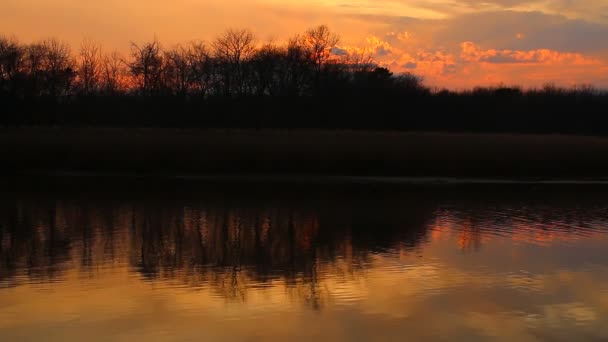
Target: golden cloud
[473,53]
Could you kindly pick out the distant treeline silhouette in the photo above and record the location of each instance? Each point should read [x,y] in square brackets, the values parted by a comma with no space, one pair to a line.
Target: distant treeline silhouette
[235,82]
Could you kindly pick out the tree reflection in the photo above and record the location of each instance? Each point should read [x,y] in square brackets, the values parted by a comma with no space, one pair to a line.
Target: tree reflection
[233,246]
[228,247]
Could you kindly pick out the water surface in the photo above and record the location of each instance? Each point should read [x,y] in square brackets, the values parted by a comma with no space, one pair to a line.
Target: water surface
[257,263]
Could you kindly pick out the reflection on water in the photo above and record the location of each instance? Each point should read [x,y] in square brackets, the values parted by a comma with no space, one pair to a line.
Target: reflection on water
[355,265]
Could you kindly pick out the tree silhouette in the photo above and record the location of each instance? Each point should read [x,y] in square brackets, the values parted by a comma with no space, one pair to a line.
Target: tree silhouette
[146,66]
[89,67]
[201,71]
[235,82]
[59,67]
[34,68]
[50,68]
[268,70]
[177,70]
[232,49]
[299,68]
[11,64]
[320,41]
[111,72]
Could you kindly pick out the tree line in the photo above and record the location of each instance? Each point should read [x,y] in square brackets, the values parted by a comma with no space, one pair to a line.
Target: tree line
[237,81]
[232,65]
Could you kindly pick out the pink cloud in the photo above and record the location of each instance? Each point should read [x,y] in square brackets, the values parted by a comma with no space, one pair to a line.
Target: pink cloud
[470,52]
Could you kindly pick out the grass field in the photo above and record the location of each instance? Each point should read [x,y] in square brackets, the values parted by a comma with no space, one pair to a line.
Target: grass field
[345,153]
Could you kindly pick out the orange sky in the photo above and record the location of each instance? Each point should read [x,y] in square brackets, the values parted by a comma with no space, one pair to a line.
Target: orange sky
[452,43]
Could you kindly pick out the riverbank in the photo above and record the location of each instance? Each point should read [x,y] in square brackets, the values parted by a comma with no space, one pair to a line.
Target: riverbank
[173,152]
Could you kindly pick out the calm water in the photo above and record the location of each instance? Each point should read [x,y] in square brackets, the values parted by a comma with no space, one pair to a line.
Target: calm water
[302,263]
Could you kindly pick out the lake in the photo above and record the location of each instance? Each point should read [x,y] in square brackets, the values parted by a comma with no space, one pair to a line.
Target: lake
[275,262]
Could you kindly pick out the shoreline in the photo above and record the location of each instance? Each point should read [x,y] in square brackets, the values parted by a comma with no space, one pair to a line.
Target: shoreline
[304,179]
[306,155]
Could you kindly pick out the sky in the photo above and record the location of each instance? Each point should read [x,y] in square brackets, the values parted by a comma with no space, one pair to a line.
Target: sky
[454,44]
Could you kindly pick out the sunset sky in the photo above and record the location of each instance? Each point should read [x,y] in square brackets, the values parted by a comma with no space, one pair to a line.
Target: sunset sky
[452,43]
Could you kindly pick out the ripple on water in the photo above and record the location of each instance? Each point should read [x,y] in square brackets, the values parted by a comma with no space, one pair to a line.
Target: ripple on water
[396,264]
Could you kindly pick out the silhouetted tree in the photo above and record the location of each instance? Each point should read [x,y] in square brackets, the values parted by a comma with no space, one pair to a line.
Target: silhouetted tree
[50,69]
[320,41]
[300,68]
[359,63]
[311,51]
[59,69]
[177,70]
[146,66]
[89,67]
[111,72]
[268,70]
[11,65]
[34,68]
[409,82]
[232,49]
[201,68]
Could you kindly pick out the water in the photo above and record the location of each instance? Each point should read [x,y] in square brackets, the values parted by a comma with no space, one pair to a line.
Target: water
[277,263]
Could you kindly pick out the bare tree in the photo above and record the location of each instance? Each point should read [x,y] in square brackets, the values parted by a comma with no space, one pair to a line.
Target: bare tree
[11,64]
[177,70]
[146,66]
[232,49]
[409,82]
[111,72]
[89,66]
[57,67]
[359,62]
[268,69]
[34,56]
[234,46]
[300,67]
[320,41]
[201,68]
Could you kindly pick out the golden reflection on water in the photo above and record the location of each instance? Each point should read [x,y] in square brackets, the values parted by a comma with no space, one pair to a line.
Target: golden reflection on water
[337,269]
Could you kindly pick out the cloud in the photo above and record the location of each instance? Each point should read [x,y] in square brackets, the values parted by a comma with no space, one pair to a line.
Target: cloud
[525,31]
[471,65]
[410,65]
[499,46]
[473,53]
[396,53]
[340,51]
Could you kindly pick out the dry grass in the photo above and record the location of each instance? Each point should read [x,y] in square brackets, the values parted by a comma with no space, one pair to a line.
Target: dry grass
[168,151]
